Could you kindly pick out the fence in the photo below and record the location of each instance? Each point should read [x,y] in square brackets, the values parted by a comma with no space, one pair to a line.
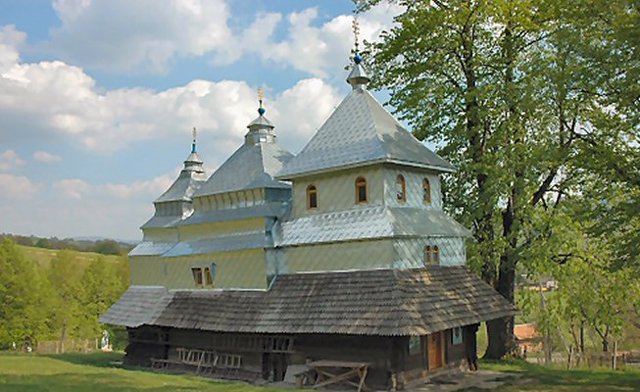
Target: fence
[70,345]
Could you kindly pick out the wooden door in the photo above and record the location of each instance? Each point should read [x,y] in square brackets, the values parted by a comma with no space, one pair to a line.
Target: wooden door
[434,349]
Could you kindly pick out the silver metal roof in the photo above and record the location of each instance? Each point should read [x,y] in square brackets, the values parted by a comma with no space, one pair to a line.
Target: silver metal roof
[368,223]
[269,209]
[190,179]
[238,241]
[360,132]
[253,165]
[151,248]
[162,221]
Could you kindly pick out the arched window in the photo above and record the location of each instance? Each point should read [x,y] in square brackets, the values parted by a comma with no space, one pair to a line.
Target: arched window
[426,191]
[361,190]
[312,197]
[401,189]
[431,255]
[427,255]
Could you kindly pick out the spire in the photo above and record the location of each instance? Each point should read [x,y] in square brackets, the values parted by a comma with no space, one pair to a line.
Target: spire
[193,163]
[260,129]
[193,144]
[358,76]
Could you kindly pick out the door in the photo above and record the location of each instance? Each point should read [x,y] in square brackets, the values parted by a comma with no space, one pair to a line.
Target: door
[434,349]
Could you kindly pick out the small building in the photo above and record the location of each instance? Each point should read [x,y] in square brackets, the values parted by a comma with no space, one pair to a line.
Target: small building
[527,338]
[340,253]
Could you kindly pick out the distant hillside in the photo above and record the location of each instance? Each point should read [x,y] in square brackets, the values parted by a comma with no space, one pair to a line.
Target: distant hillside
[85,244]
[43,256]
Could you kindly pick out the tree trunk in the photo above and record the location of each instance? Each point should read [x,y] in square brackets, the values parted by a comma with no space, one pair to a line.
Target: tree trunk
[500,331]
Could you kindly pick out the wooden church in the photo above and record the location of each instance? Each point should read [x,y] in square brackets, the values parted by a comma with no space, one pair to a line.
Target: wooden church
[339,260]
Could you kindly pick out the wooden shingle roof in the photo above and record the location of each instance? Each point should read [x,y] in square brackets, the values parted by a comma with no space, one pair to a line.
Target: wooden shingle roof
[386,302]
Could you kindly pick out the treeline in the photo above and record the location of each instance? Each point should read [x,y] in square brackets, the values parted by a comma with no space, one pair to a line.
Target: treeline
[58,303]
[105,247]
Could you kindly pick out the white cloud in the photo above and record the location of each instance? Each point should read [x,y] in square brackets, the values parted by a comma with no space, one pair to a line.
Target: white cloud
[18,188]
[10,160]
[72,188]
[45,157]
[122,35]
[53,100]
[319,50]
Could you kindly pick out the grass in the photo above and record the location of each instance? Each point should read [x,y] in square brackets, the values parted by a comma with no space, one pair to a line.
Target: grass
[97,373]
[539,378]
[43,256]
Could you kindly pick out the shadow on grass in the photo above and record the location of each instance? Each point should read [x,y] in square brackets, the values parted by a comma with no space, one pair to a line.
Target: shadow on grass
[97,359]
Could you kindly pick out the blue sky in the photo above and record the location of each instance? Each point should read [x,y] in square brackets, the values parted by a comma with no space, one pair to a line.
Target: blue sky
[98,97]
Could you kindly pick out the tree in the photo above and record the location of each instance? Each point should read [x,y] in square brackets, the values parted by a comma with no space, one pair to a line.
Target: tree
[25,309]
[506,89]
[65,276]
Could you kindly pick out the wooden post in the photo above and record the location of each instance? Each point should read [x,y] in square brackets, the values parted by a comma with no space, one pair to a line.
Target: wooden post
[614,359]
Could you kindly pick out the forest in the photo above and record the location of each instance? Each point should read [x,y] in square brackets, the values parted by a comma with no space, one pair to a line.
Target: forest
[538,105]
[57,298]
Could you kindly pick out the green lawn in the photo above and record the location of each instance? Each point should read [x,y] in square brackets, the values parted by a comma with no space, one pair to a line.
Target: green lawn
[538,378]
[95,373]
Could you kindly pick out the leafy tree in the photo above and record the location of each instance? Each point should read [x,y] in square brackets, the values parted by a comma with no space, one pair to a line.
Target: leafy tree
[25,309]
[506,88]
[65,276]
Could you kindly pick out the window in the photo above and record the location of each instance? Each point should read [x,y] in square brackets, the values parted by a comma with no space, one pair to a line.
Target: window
[456,335]
[197,275]
[361,190]
[415,345]
[431,255]
[426,191]
[312,197]
[204,276]
[401,190]
[207,276]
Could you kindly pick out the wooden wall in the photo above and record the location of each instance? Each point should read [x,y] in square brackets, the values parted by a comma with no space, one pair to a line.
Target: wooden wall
[388,355]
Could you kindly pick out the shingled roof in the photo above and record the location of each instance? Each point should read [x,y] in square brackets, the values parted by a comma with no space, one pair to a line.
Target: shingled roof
[385,302]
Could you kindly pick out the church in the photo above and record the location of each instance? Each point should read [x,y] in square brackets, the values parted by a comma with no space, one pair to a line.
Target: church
[338,259]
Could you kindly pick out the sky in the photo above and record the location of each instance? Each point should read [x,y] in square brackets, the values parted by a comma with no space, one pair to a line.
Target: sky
[98,97]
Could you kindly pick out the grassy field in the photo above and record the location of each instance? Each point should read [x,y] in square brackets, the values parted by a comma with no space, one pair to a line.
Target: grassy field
[97,373]
[538,378]
[43,256]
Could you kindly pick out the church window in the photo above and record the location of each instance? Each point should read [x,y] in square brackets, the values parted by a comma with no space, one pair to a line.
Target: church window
[426,191]
[197,275]
[312,197]
[204,276]
[431,255]
[401,190]
[208,277]
[361,190]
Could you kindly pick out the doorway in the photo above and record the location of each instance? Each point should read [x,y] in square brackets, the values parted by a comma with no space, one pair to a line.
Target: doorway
[435,350]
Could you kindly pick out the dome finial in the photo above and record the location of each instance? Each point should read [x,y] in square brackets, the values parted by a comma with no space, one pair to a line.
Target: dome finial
[358,77]
[261,109]
[193,143]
